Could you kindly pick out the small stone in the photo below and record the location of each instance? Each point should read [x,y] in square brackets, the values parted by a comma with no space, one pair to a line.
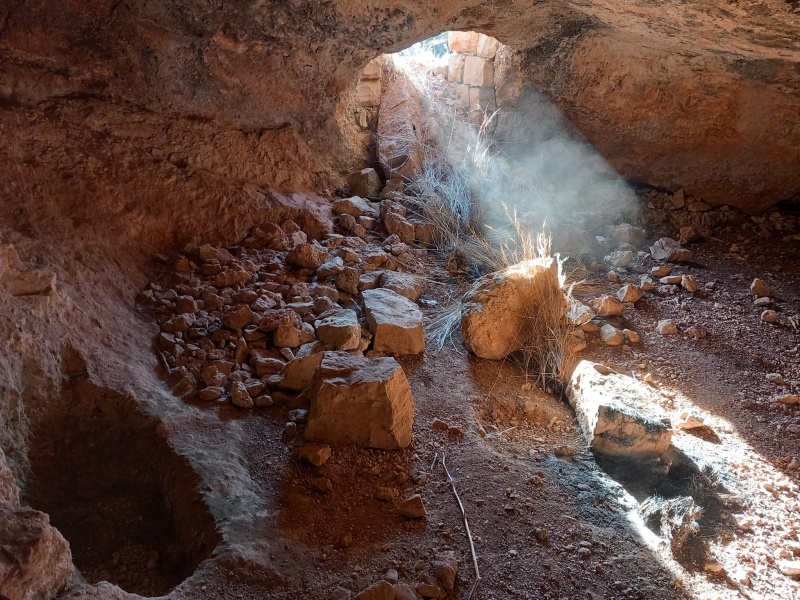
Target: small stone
[631,336]
[789,399]
[403,591]
[760,288]
[584,553]
[667,327]
[289,430]
[689,421]
[426,590]
[763,302]
[211,393]
[661,271]
[611,335]
[769,316]
[412,507]
[289,336]
[385,494]
[445,568]
[606,306]
[776,378]
[316,454]
[298,415]
[240,396]
[323,485]
[439,425]
[620,259]
[239,318]
[670,280]
[697,332]
[330,268]
[669,250]
[629,293]
[391,576]
[689,283]
[790,568]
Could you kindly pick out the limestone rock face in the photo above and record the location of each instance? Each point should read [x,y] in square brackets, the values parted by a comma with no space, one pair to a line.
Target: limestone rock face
[399,136]
[496,315]
[362,401]
[395,322]
[615,415]
[36,561]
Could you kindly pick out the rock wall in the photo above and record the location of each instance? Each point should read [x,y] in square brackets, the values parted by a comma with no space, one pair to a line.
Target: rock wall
[674,98]
[130,128]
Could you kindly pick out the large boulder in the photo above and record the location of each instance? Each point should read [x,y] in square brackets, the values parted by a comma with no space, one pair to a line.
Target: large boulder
[616,414]
[501,310]
[35,562]
[362,401]
[395,322]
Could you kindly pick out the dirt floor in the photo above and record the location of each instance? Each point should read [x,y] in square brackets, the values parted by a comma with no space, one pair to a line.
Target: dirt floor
[547,521]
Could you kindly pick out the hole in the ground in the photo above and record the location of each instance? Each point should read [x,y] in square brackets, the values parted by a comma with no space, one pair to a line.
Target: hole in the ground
[126,502]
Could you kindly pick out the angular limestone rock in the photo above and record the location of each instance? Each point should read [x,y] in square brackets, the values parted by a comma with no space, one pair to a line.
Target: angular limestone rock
[35,561]
[615,413]
[395,322]
[361,401]
[365,182]
[669,250]
[355,206]
[339,329]
[402,283]
[496,317]
[399,140]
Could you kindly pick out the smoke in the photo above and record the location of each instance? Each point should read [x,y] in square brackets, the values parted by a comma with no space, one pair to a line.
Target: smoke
[523,166]
[537,170]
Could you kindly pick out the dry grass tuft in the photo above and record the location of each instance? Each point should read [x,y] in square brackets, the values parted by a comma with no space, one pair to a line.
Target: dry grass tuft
[460,180]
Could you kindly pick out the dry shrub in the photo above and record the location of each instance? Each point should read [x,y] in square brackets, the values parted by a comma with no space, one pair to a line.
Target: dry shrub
[460,180]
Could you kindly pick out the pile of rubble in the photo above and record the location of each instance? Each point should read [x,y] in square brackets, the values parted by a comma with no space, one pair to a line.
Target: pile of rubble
[313,324]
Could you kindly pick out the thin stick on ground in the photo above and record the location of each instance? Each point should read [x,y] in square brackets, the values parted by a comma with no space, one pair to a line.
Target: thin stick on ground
[466,526]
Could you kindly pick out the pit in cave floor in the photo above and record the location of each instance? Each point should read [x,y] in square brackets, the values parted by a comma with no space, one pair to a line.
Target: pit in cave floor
[127,504]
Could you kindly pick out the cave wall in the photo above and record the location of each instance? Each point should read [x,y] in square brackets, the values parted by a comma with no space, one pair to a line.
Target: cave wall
[157,119]
[130,127]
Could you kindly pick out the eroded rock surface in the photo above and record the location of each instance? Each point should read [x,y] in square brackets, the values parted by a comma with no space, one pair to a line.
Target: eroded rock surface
[362,401]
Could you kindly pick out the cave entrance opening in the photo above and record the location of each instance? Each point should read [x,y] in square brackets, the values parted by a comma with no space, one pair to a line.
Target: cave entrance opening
[126,502]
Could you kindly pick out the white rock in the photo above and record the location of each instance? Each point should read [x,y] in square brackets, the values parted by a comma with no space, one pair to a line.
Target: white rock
[669,250]
[667,327]
[631,336]
[579,313]
[395,322]
[605,306]
[611,335]
[615,413]
[620,259]
[661,271]
[497,312]
[362,401]
[629,293]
